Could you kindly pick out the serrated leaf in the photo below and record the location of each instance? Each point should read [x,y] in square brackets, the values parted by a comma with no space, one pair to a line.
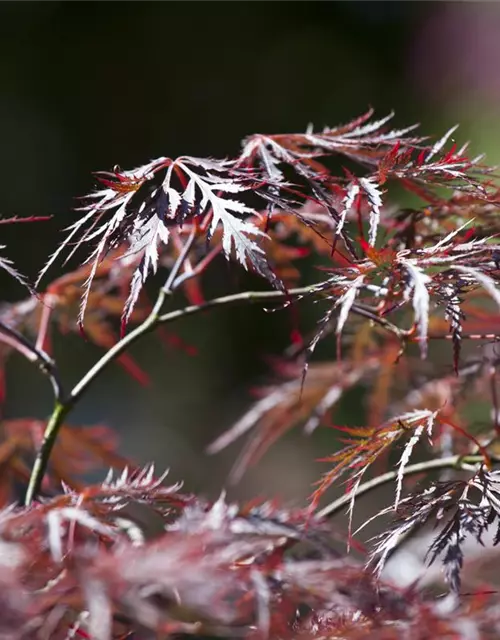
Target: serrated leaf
[421,301]
[138,209]
[8,266]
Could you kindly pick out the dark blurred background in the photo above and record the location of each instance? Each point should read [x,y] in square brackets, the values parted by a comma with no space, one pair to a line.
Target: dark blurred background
[85,86]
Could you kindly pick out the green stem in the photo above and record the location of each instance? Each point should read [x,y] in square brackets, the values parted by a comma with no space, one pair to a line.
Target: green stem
[64,406]
[237,298]
[42,458]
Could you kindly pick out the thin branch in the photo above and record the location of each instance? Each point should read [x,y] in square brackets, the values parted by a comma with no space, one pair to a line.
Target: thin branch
[63,407]
[34,354]
[44,321]
[41,461]
[169,285]
[402,334]
[196,270]
[238,298]
[154,319]
[450,462]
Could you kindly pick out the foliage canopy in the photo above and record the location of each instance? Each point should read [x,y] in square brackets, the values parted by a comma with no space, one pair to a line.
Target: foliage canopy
[132,557]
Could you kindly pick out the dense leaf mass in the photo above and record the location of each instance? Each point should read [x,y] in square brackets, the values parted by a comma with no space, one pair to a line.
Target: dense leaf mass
[132,557]
[134,554]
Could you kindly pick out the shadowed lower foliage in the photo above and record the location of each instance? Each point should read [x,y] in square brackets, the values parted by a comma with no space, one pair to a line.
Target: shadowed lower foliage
[132,553]
[132,557]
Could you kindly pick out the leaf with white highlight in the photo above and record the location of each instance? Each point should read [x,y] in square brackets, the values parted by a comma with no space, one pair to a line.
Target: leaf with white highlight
[420,299]
[140,207]
[374,198]
[56,530]
[436,148]
[346,301]
[373,194]
[236,232]
[347,204]
[427,422]
[447,239]
[481,278]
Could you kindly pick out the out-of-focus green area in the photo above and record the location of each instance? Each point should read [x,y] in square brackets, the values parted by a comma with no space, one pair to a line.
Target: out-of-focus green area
[85,86]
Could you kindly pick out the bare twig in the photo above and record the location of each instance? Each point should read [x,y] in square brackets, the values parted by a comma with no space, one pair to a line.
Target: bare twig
[34,354]
[365,312]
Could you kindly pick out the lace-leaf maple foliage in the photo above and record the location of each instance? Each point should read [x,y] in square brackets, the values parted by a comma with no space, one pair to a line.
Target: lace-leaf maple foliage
[132,556]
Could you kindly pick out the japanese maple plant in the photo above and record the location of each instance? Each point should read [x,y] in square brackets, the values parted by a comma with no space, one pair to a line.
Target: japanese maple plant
[393,281]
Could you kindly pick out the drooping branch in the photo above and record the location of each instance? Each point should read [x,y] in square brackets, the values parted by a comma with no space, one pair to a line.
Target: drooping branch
[33,354]
[450,462]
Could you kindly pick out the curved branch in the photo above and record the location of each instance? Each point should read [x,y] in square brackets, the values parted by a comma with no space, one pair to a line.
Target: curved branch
[64,406]
[33,354]
[450,462]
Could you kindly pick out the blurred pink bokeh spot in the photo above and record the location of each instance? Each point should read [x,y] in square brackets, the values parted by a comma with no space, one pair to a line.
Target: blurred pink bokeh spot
[456,53]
